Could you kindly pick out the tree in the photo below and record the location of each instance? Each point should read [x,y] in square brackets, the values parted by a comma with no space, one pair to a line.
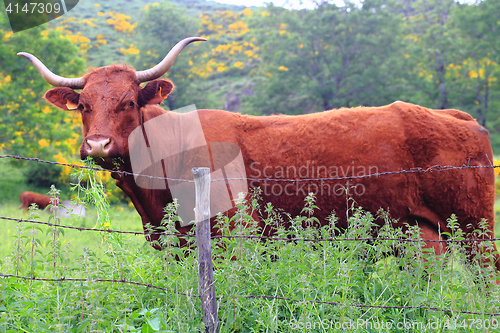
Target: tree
[327,58]
[162,26]
[431,46]
[480,29]
[28,125]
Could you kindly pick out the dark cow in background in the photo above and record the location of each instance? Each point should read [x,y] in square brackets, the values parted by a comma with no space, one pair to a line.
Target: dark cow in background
[336,143]
[42,201]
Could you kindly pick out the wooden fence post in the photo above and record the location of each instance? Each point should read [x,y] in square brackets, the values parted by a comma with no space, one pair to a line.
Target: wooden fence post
[205,265]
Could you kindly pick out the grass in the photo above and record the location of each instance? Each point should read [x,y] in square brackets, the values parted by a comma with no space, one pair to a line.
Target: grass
[350,273]
[123,218]
[305,275]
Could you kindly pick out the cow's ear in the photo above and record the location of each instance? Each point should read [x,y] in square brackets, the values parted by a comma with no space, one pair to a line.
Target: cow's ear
[64,98]
[155,92]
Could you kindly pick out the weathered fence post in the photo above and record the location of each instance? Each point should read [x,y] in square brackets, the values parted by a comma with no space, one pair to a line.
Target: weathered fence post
[205,265]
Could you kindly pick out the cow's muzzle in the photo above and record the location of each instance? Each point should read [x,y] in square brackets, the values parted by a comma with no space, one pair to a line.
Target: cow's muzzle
[98,146]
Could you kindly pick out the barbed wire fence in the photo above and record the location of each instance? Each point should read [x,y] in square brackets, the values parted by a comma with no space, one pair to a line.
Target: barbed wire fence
[213,326]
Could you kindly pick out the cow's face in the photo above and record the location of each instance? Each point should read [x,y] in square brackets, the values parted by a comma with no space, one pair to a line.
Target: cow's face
[110,104]
[110,101]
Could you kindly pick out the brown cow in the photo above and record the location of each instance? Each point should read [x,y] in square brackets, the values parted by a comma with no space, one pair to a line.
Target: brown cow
[42,201]
[348,142]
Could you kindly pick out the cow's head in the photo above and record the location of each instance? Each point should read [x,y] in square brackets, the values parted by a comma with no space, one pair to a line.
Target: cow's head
[110,101]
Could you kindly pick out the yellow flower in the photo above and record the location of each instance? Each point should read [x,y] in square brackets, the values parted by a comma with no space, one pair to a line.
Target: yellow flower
[44,33]
[73,38]
[97,5]
[283,68]
[247,12]
[89,23]
[43,143]
[100,14]
[497,170]
[7,35]
[133,50]
[59,158]
[239,65]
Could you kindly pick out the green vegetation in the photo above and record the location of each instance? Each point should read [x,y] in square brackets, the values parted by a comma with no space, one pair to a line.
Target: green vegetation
[349,273]
[27,125]
[263,60]
[439,54]
[271,60]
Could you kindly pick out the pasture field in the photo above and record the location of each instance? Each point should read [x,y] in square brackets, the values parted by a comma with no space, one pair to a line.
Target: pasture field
[272,286]
[299,279]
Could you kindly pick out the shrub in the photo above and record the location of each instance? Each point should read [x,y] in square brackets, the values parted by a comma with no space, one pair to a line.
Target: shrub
[43,174]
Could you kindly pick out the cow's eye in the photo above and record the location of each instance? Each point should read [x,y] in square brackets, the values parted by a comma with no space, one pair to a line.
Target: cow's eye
[81,107]
[131,103]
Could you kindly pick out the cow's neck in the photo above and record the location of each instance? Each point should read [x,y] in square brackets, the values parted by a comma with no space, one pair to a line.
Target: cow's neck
[148,203]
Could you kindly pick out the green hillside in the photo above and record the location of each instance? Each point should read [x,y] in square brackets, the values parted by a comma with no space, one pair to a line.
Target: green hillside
[438,54]
[86,20]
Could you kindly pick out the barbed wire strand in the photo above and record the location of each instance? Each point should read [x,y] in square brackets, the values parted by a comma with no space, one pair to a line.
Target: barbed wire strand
[76,166]
[370,306]
[93,229]
[63,279]
[465,240]
[437,168]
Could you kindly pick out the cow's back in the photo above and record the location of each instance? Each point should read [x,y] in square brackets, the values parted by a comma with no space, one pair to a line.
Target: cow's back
[349,146]
[27,198]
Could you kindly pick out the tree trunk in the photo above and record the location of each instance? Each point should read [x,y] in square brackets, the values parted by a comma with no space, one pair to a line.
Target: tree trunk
[440,71]
[480,117]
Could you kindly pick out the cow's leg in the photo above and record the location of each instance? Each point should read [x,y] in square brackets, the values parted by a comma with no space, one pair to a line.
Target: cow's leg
[497,258]
[430,226]
[430,233]
[429,223]
[127,189]
[252,220]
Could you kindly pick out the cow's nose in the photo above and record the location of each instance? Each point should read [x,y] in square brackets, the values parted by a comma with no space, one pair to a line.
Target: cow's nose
[98,147]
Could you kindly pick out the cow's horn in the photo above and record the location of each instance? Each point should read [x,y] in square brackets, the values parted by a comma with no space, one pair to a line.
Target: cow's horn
[167,62]
[51,78]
